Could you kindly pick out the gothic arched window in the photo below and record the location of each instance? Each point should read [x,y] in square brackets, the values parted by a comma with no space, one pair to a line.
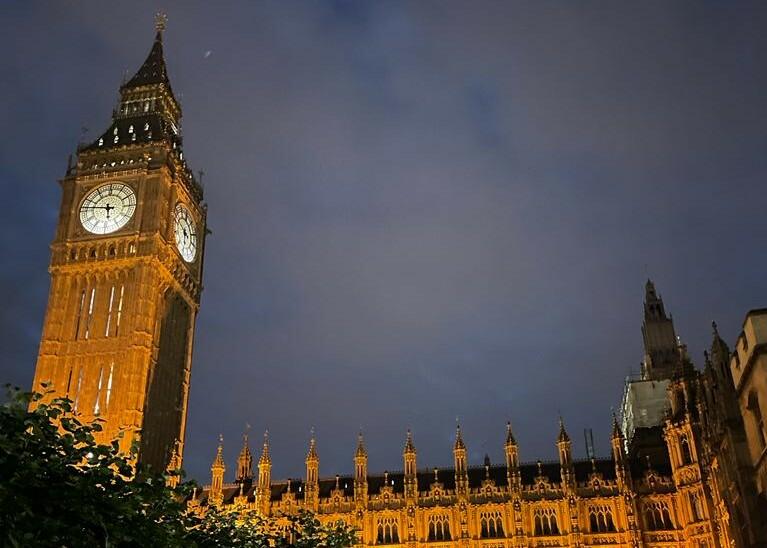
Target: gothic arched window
[686,453]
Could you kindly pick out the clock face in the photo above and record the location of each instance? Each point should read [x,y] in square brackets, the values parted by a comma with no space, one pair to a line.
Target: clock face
[107,208]
[186,233]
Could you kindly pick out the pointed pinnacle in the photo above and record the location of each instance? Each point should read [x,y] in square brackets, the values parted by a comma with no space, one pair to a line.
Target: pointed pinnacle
[312,454]
[409,445]
[265,457]
[459,438]
[361,452]
[509,435]
[219,460]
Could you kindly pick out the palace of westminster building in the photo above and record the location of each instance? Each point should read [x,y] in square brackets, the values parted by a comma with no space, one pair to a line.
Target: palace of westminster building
[689,454]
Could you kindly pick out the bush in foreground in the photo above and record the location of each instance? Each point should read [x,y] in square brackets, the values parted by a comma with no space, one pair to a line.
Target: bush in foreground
[58,487]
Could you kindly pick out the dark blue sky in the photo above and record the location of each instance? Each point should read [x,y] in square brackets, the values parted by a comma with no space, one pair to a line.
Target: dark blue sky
[420,210]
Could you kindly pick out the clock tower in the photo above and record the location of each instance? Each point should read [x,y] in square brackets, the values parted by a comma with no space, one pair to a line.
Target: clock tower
[126,273]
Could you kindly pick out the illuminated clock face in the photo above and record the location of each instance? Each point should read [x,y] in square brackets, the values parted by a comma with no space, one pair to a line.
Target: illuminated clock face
[186,233]
[107,208]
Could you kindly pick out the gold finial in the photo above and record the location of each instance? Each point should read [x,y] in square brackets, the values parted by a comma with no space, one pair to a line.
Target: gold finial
[160,20]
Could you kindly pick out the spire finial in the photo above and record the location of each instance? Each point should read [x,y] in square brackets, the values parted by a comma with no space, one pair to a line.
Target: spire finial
[219,460]
[312,447]
[409,445]
[160,20]
[458,437]
[265,457]
[562,432]
[360,445]
[509,435]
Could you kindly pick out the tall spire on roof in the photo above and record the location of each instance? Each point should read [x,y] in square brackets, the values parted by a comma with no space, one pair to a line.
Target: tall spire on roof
[264,476]
[245,460]
[265,457]
[409,456]
[509,434]
[312,454]
[153,71]
[217,470]
[361,452]
[661,358]
[409,445]
[219,460]
[458,438]
[148,112]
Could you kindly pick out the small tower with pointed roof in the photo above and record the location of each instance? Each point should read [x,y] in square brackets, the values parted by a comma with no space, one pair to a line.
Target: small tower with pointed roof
[410,476]
[217,470]
[511,452]
[461,467]
[660,342]
[311,492]
[244,462]
[564,447]
[360,473]
[264,489]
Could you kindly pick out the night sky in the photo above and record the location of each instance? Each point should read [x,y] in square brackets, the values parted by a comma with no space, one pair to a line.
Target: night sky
[420,210]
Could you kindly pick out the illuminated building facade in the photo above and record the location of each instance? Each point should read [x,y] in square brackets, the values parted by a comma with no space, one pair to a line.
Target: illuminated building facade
[676,478]
[688,464]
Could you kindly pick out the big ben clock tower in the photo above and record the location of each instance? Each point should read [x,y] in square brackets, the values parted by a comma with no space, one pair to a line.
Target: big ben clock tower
[126,273]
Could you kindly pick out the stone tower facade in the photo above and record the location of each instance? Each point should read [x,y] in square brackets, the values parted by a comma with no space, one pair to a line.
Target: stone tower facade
[126,274]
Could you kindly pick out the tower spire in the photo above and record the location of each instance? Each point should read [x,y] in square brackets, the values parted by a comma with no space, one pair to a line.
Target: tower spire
[511,451]
[245,461]
[217,470]
[460,464]
[264,477]
[153,70]
[661,357]
[361,452]
[459,438]
[265,456]
[410,479]
[360,473]
[409,445]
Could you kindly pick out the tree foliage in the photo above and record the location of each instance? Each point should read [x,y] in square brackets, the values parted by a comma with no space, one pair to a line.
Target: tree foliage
[58,487]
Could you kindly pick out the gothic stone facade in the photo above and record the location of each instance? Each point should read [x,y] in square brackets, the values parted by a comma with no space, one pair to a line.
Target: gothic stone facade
[564,503]
[685,476]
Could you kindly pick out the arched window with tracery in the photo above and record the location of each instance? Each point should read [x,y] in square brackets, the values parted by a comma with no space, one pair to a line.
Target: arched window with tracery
[545,521]
[491,525]
[601,519]
[439,527]
[387,531]
[657,516]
